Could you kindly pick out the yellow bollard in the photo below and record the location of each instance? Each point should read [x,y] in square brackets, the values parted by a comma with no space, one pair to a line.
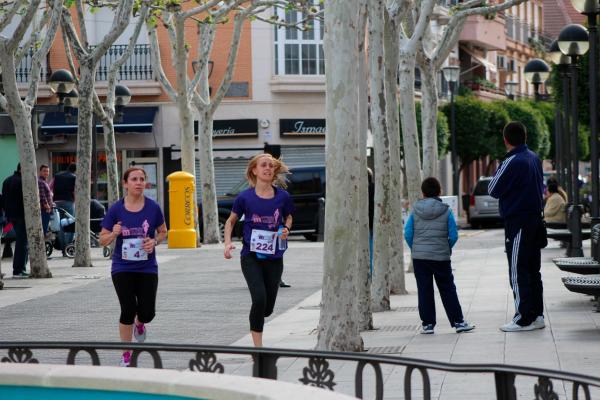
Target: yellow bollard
[182,234]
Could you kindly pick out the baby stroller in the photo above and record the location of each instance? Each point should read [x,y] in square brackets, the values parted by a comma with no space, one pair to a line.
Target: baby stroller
[63,222]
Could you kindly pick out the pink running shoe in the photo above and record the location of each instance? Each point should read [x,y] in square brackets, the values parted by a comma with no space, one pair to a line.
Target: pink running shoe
[125,359]
[139,332]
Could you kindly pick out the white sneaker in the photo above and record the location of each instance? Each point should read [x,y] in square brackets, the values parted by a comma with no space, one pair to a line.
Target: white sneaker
[514,327]
[539,322]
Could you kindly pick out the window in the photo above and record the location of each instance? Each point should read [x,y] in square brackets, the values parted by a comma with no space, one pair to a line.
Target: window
[299,52]
[304,183]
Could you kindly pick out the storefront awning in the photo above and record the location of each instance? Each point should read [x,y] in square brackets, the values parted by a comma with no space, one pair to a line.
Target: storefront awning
[135,120]
[481,60]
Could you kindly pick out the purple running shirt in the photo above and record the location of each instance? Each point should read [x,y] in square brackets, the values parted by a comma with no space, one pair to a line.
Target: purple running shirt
[263,214]
[134,225]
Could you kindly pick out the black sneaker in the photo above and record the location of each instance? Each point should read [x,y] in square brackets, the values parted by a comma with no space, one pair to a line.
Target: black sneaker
[283,284]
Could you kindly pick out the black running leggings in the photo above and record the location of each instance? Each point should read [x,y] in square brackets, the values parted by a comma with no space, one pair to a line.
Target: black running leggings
[137,295]
[262,277]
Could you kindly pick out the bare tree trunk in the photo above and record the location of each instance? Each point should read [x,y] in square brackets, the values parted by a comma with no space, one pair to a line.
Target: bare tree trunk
[338,322]
[83,257]
[429,106]
[412,157]
[363,281]
[380,289]
[210,214]
[21,117]
[112,170]
[396,239]
[20,110]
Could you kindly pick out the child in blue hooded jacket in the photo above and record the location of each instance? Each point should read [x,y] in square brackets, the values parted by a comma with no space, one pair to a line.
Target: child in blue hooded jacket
[431,233]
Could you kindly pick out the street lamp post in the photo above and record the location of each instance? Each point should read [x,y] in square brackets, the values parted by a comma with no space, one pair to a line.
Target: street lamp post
[536,73]
[61,82]
[591,9]
[573,42]
[562,62]
[451,74]
[510,88]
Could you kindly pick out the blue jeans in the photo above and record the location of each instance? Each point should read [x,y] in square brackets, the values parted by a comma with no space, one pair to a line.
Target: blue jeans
[21,250]
[45,221]
[66,237]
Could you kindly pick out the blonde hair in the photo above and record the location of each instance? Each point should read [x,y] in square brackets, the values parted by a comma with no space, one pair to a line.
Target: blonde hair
[279,170]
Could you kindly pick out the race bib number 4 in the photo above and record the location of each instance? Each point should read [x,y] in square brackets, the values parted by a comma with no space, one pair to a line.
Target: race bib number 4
[263,241]
[132,250]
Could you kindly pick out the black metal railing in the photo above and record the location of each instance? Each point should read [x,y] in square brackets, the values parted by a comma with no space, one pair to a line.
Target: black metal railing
[138,66]
[316,371]
[23,68]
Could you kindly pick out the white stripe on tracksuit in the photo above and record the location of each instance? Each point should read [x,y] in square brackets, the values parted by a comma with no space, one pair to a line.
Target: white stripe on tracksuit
[513,274]
[499,173]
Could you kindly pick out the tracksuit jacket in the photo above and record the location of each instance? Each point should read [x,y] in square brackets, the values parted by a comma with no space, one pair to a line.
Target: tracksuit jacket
[518,184]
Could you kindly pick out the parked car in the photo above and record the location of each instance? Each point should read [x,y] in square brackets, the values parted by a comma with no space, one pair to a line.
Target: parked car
[483,208]
[305,184]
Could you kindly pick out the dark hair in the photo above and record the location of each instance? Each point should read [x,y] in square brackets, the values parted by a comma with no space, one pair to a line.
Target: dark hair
[552,184]
[129,170]
[431,187]
[44,166]
[72,167]
[515,133]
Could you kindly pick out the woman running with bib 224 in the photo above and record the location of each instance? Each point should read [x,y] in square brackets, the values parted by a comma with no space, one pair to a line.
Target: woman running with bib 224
[267,211]
[137,224]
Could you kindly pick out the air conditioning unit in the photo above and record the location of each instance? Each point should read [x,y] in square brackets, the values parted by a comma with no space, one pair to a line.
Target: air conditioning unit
[501,62]
[53,139]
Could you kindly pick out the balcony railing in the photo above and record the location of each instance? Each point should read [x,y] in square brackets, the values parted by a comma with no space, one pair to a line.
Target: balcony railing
[521,31]
[23,68]
[315,368]
[137,68]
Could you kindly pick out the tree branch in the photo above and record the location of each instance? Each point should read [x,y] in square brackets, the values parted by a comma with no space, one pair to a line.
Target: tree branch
[206,38]
[120,22]
[234,46]
[81,21]
[422,23]
[202,8]
[37,31]
[69,28]
[69,55]
[42,52]
[114,68]
[24,23]
[199,102]
[157,65]
[7,17]
[454,27]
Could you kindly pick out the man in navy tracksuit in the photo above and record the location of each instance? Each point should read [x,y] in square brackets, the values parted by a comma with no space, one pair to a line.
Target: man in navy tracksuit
[518,184]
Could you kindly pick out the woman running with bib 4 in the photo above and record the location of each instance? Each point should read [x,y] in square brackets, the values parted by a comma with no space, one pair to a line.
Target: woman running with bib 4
[267,211]
[138,225]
